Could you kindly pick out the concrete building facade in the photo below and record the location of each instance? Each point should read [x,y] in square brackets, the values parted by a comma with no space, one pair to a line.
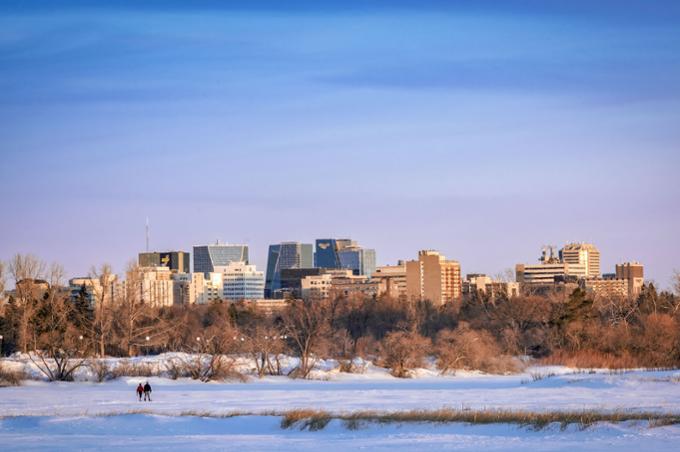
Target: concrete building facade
[433,278]
[585,254]
[483,284]
[394,279]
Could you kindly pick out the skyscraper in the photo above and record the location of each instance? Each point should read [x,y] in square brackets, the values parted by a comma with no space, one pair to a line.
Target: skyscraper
[283,256]
[326,255]
[207,257]
[344,253]
[360,260]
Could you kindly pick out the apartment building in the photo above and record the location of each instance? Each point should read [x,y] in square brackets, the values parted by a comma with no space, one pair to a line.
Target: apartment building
[433,277]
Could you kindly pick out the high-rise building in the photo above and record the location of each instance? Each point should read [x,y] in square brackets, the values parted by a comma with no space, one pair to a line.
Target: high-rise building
[582,254]
[433,278]
[283,256]
[176,261]
[344,253]
[326,255]
[360,260]
[207,257]
[150,285]
[241,281]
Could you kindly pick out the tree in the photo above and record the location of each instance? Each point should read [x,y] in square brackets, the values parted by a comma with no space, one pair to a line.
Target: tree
[59,348]
[135,319]
[104,295]
[26,270]
[211,351]
[305,323]
[265,344]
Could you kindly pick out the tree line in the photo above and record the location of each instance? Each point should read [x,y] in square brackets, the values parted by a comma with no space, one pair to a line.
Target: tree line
[478,332]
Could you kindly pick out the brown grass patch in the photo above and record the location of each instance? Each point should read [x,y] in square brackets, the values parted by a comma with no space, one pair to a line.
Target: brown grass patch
[316,420]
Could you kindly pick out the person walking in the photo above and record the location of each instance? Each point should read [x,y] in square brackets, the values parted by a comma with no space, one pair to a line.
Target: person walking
[147,392]
[140,391]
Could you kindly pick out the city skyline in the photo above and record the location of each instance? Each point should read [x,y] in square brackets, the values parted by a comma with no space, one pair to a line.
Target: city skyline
[484,130]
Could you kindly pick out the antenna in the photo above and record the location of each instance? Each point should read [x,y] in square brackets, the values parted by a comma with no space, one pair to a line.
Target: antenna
[147,234]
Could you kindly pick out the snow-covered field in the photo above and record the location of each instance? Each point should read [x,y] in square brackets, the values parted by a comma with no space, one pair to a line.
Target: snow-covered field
[137,432]
[85,414]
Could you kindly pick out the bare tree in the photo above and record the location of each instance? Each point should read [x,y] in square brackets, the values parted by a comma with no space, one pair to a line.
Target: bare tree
[134,317]
[104,300]
[265,344]
[2,279]
[59,350]
[305,323]
[27,271]
[210,358]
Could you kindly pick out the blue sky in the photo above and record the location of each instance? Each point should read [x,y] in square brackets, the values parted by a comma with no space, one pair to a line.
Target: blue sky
[483,129]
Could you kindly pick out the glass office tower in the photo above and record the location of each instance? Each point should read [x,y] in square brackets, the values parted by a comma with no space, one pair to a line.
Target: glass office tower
[284,256]
[207,257]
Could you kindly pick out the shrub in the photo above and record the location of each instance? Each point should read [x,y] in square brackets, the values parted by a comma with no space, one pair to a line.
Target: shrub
[401,352]
[101,370]
[177,368]
[469,349]
[129,369]
[10,377]
[367,347]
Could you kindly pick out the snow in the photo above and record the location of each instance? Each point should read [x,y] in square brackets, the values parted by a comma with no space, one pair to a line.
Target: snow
[140,432]
[85,414]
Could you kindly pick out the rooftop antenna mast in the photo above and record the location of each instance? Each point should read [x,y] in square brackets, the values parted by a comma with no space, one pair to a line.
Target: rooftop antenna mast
[147,234]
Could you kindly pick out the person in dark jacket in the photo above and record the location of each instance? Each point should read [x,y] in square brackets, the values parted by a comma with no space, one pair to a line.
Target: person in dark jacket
[140,391]
[147,392]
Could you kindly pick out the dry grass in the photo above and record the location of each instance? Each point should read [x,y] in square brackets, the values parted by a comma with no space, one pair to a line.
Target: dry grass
[316,420]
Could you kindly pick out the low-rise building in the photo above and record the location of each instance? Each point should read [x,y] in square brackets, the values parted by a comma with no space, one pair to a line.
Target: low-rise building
[626,282]
[482,284]
[94,290]
[394,279]
[197,288]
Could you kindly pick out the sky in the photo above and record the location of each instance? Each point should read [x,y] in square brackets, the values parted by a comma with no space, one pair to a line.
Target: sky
[482,129]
